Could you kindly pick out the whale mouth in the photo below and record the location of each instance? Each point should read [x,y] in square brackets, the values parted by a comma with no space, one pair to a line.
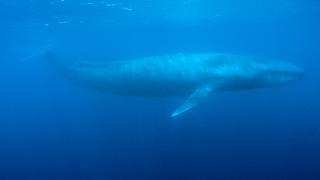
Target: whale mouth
[286,72]
[282,78]
[296,73]
[300,74]
[286,76]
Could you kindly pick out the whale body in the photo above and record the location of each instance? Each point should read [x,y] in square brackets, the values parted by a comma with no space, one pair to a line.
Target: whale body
[193,75]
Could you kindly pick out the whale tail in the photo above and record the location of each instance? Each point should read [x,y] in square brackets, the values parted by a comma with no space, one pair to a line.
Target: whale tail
[55,61]
[66,67]
[36,53]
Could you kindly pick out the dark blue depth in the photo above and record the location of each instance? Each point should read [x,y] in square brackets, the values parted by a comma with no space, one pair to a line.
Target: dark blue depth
[53,129]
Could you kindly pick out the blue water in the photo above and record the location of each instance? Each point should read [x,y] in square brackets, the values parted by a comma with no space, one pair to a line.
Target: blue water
[51,128]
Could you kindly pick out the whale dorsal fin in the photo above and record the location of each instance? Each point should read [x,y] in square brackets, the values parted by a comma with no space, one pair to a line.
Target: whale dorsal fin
[194,99]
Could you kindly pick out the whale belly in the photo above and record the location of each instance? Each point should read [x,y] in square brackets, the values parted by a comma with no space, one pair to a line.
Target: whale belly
[148,84]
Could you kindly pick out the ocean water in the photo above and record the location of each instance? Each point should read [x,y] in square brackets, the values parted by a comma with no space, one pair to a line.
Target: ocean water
[51,128]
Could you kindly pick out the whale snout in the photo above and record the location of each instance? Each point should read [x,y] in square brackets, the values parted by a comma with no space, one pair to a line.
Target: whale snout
[300,73]
[281,73]
[295,72]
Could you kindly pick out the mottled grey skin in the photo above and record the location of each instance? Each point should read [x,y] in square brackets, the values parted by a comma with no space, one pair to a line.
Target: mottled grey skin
[193,75]
[181,74]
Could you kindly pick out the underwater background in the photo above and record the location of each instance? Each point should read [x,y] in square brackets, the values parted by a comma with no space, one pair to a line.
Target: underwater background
[51,128]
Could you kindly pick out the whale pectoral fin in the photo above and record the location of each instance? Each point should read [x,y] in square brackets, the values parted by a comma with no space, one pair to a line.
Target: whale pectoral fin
[193,100]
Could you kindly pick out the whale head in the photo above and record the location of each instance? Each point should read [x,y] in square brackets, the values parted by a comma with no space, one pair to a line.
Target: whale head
[243,72]
[271,74]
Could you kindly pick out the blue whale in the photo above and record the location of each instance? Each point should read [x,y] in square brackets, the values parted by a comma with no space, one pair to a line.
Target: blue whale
[192,75]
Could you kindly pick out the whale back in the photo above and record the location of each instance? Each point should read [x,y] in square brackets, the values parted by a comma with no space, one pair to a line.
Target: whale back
[152,76]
